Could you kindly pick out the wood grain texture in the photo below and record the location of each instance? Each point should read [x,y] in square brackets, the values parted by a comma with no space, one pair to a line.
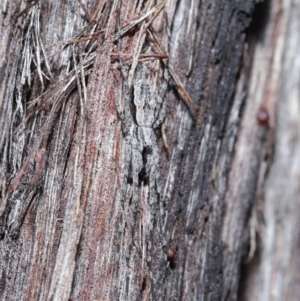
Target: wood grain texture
[89,209]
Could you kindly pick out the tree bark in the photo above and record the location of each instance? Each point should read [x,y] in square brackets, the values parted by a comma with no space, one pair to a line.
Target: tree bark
[149,150]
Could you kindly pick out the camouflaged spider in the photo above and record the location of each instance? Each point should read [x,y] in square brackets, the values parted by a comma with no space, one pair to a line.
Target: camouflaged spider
[144,111]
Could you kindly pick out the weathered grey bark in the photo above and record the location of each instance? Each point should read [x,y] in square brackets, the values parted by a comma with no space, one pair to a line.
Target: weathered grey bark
[95,202]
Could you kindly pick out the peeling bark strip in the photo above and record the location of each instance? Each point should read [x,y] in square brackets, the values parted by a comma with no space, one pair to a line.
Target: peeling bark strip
[130,154]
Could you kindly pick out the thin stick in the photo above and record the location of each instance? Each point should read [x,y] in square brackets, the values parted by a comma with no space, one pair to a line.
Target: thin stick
[133,22]
[179,86]
[85,11]
[99,8]
[25,10]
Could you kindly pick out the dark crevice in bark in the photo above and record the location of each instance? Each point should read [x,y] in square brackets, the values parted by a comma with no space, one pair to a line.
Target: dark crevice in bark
[259,20]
